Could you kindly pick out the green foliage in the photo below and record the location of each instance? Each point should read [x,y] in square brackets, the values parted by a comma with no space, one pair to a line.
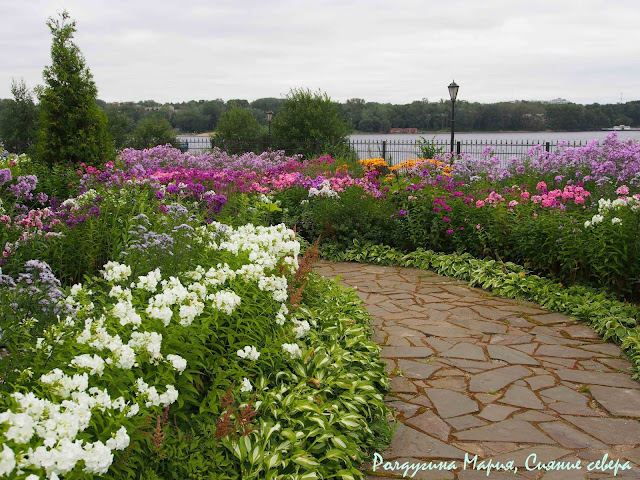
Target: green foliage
[428,148]
[72,127]
[310,117]
[192,120]
[19,120]
[355,214]
[153,131]
[120,127]
[237,130]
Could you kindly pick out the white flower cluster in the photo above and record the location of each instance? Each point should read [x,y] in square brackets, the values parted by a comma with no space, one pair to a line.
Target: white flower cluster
[249,352]
[148,282]
[87,197]
[292,349]
[177,362]
[225,301]
[94,363]
[58,425]
[246,385]
[153,397]
[115,272]
[301,328]
[605,206]
[280,316]
[325,190]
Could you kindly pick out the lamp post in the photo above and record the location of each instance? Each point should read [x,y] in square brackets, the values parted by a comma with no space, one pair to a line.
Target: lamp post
[269,118]
[453,93]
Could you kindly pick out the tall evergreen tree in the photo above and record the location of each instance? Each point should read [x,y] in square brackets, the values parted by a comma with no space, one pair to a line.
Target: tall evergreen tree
[19,120]
[72,127]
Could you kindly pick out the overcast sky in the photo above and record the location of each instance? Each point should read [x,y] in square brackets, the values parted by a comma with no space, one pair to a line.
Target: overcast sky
[392,51]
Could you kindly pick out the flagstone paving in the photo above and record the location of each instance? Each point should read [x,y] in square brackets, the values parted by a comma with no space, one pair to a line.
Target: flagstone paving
[474,374]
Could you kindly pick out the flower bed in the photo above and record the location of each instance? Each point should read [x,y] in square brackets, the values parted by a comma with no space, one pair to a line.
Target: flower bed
[197,349]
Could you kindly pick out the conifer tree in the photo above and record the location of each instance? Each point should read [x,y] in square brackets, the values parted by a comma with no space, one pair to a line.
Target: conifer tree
[72,127]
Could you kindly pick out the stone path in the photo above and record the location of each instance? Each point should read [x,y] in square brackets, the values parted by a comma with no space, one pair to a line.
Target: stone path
[474,374]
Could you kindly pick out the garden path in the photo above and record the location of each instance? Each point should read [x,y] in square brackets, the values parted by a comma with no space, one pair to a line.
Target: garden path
[497,378]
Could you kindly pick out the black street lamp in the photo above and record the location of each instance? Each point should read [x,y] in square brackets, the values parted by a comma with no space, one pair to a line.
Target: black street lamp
[453,93]
[269,118]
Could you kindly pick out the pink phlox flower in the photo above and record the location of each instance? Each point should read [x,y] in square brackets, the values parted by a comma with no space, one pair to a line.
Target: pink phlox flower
[622,190]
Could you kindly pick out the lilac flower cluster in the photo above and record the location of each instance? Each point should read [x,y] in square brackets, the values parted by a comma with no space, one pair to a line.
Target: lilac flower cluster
[142,163]
[23,187]
[5,176]
[37,283]
[612,162]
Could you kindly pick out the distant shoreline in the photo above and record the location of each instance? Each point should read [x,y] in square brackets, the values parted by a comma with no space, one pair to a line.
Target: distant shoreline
[446,132]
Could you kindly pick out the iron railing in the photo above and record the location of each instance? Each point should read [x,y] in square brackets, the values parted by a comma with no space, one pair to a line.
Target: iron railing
[393,151]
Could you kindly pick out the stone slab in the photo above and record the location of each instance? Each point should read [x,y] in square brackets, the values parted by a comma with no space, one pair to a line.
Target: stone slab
[496,413]
[522,397]
[562,393]
[570,437]
[613,431]
[607,379]
[562,351]
[451,404]
[509,355]
[467,351]
[465,422]
[406,352]
[431,424]
[624,402]
[550,318]
[409,442]
[544,454]
[505,431]
[495,380]
[416,370]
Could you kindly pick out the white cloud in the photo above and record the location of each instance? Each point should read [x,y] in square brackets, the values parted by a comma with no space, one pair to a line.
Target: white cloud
[378,50]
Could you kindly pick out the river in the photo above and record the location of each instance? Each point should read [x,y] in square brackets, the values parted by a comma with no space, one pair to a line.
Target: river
[399,147]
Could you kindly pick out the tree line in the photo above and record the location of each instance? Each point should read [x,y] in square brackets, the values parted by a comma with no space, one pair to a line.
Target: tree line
[137,124]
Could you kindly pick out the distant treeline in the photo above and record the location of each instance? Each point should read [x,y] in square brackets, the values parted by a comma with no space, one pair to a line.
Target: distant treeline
[202,116]
[124,119]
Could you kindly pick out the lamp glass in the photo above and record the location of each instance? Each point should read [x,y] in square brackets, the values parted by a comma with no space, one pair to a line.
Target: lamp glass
[269,115]
[453,91]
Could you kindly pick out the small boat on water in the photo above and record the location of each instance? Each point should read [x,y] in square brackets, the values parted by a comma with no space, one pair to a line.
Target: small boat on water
[621,127]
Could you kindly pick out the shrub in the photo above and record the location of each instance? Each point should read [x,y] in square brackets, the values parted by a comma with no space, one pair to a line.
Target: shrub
[305,118]
[153,131]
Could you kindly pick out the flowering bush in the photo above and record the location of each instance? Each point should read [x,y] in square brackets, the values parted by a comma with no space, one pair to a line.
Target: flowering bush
[152,345]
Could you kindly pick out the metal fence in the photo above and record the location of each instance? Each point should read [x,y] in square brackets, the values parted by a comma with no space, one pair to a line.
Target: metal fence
[394,152]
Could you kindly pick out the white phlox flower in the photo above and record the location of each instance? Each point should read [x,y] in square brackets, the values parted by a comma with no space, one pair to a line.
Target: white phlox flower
[292,349]
[250,353]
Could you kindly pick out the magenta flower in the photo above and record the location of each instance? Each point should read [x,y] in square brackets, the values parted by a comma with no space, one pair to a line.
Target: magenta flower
[623,190]
[446,219]
[480,203]
[449,231]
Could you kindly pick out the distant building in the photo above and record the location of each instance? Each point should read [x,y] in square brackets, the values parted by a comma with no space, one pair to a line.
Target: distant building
[158,108]
[403,130]
[559,100]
